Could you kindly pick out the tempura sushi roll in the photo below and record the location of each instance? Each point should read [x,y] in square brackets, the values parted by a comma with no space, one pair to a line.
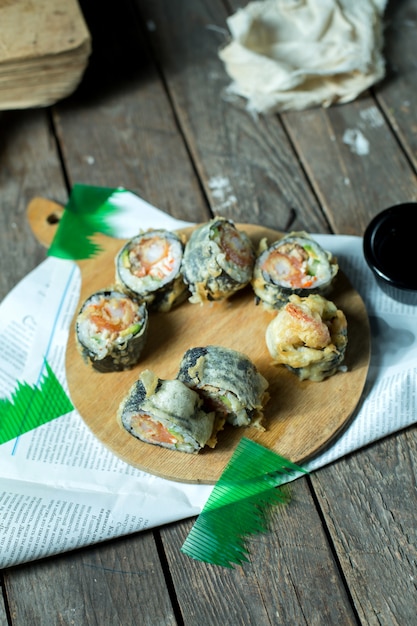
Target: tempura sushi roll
[228,381]
[111,330]
[308,336]
[295,264]
[167,413]
[218,261]
[148,267]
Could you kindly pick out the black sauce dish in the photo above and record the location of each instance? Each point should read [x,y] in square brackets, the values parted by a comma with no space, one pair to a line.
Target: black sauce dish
[389,247]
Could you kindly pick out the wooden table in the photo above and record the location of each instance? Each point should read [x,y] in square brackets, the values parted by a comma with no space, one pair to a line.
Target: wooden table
[149,116]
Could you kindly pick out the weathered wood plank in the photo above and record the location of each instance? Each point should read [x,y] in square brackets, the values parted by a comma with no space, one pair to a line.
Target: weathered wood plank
[352,186]
[119,128]
[398,92]
[3,613]
[28,166]
[369,502]
[247,167]
[119,582]
[279,585]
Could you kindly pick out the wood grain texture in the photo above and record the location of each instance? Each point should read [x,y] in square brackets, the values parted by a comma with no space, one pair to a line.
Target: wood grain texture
[116,583]
[119,128]
[28,165]
[298,422]
[292,576]
[247,165]
[398,92]
[3,613]
[359,185]
[43,216]
[374,528]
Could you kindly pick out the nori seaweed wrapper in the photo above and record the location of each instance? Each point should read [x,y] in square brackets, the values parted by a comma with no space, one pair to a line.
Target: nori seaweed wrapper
[108,346]
[218,261]
[167,413]
[228,381]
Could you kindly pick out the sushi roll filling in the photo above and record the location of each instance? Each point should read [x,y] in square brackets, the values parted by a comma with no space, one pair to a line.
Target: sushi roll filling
[293,266]
[150,261]
[152,431]
[108,320]
[233,245]
[220,400]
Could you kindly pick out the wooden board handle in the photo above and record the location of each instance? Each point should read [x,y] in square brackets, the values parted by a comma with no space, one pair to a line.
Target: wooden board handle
[43,216]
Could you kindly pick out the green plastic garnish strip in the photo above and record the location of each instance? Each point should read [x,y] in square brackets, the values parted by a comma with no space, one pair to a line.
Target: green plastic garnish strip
[31,406]
[238,505]
[86,214]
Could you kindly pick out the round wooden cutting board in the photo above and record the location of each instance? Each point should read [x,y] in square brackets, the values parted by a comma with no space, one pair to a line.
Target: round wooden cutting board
[302,417]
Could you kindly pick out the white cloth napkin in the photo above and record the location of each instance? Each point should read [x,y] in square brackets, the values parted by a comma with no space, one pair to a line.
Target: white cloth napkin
[295,54]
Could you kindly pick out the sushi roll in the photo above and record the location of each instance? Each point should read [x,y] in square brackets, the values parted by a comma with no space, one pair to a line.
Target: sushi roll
[148,267]
[111,330]
[228,381]
[167,413]
[295,264]
[218,261]
[308,336]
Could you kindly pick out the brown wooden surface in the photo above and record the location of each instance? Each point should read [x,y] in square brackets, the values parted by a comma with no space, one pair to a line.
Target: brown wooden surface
[149,116]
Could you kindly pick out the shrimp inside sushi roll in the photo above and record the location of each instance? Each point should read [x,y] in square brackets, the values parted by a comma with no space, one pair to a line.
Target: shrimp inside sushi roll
[295,264]
[308,336]
[111,330]
[148,266]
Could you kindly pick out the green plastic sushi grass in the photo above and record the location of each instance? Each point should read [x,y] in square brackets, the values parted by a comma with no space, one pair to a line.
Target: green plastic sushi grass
[31,406]
[237,507]
[86,214]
